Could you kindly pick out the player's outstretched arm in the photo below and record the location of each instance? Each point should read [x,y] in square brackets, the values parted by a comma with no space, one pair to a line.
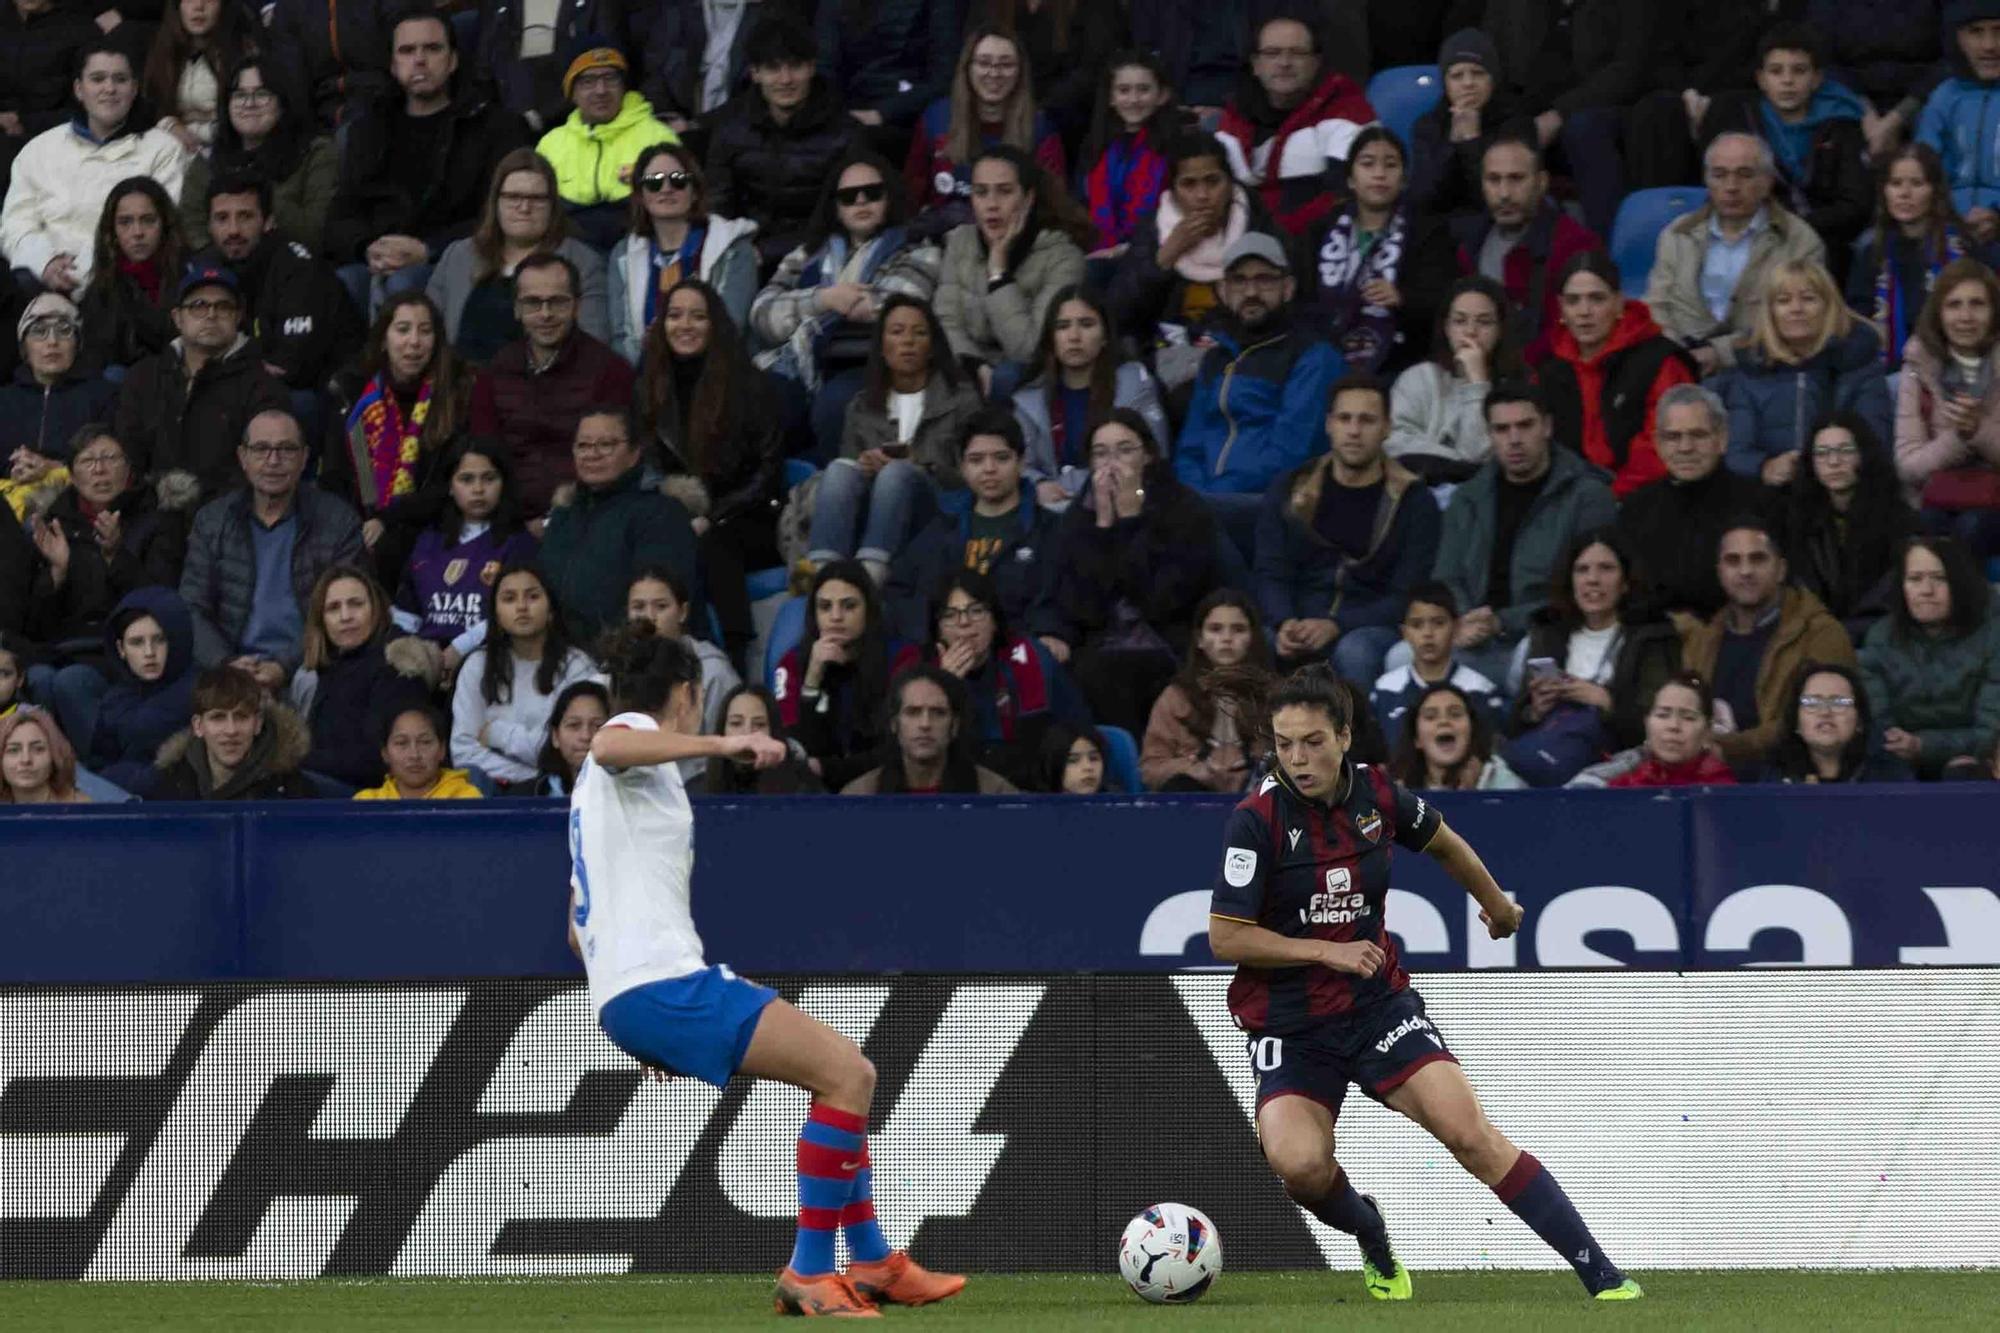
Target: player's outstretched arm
[1501,914]
[1233,941]
[620,748]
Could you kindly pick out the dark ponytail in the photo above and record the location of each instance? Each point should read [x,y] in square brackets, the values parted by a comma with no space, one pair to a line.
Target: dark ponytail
[645,666]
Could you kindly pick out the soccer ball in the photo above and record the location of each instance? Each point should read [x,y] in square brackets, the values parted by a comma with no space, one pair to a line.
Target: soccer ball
[1170,1254]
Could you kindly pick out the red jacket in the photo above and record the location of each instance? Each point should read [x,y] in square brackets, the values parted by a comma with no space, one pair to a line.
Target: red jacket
[935,178]
[1705,770]
[1290,170]
[1605,406]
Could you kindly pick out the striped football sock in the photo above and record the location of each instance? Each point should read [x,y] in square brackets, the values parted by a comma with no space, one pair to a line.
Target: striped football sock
[832,1148]
[865,1243]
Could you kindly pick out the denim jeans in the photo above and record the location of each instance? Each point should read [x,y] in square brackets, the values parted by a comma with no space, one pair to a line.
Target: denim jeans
[870,519]
[73,694]
[369,291]
[1357,654]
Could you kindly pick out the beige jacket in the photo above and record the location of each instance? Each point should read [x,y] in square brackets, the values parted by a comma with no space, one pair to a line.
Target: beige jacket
[1674,289]
[1004,324]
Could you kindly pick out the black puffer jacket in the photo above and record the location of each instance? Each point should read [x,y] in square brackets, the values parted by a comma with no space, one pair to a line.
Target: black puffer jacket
[152,543]
[46,417]
[37,54]
[169,424]
[772,174]
[370,203]
[334,53]
[219,578]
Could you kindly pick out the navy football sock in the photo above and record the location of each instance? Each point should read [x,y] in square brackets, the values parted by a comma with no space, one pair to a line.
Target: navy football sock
[1344,1209]
[1538,1200]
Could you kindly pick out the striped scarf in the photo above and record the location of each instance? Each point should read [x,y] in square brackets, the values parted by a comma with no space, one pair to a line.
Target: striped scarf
[393,441]
[1895,309]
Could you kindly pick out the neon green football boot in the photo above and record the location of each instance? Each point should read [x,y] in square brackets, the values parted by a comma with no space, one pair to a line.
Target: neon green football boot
[1628,1290]
[1387,1278]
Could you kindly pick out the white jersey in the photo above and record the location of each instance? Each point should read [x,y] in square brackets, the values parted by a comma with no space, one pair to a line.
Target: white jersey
[631,850]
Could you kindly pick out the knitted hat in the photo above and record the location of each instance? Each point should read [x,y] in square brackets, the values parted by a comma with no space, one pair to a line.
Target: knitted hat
[597,54]
[1469,46]
[47,305]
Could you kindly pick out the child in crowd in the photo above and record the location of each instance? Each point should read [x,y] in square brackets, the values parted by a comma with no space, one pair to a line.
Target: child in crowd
[750,710]
[1073,762]
[658,594]
[581,709]
[500,708]
[442,595]
[1430,626]
[13,671]
[413,753]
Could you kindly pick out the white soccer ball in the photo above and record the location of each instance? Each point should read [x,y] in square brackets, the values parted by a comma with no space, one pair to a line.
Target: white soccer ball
[1170,1254]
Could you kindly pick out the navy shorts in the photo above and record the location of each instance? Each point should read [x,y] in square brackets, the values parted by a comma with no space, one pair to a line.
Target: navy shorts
[1377,1049]
[698,1025]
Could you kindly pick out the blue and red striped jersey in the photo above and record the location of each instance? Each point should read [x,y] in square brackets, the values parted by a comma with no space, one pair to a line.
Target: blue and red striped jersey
[1315,870]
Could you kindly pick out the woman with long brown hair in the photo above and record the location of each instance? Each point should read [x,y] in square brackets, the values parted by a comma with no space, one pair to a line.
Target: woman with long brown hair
[197,44]
[674,236]
[1917,232]
[1082,378]
[400,409]
[136,262]
[473,283]
[992,102]
[1193,742]
[705,414]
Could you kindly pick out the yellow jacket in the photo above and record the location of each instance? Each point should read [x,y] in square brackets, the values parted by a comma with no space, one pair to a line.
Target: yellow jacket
[593,163]
[452,785]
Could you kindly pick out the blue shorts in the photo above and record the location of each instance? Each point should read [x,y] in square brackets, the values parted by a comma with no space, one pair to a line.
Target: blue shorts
[698,1025]
[1378,1048]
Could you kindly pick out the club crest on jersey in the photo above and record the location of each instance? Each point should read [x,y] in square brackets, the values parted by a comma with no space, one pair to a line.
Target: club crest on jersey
[455,570]
[1370,825]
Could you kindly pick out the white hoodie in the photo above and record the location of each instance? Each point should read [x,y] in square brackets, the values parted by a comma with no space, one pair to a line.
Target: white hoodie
[60,183]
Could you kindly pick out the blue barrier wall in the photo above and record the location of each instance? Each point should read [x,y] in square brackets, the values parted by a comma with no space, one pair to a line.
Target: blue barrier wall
[904,884]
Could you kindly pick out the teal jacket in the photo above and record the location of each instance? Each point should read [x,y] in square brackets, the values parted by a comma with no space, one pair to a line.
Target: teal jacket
[1576,498]
[1944,690]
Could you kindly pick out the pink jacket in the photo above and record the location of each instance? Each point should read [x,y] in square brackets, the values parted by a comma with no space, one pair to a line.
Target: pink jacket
[1924,443]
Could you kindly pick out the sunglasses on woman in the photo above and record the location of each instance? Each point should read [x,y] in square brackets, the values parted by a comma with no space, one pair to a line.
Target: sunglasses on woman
[660,180]
[861,194]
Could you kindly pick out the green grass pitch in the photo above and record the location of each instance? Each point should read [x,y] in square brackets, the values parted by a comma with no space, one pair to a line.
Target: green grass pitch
[1484,1302]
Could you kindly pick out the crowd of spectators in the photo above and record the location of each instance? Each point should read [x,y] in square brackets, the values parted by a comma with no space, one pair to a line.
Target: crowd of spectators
[1076,364]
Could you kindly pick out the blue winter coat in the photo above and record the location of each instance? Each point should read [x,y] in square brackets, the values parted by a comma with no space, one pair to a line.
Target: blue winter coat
[1257,412]
[135,718]
[1301,576]
[1962,122]
[1772,407]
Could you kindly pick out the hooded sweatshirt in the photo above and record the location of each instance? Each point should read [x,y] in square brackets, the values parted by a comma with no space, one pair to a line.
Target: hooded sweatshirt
[1605,406]
[593,163]
[136,717]
[1961,121]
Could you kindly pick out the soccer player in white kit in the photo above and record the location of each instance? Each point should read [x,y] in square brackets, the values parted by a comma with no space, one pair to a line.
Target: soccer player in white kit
[631,837]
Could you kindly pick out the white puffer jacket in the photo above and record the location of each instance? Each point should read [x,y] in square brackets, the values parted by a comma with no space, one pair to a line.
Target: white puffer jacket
[61,180]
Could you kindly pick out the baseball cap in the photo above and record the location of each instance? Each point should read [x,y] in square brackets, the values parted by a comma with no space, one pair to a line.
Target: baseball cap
[1256,245]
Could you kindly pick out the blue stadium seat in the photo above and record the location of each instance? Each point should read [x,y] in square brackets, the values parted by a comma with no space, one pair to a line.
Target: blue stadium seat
[1993,570]
[1121,764]
[772,582]
[1401,95]
[786,630]
[1635,234]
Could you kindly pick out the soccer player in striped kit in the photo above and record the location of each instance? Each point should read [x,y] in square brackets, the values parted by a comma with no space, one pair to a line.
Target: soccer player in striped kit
[1325,1001]
[631,835]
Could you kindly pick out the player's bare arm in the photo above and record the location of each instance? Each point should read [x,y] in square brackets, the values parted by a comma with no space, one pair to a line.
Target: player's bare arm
[625,747]
[1233,941]
[1500,914]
